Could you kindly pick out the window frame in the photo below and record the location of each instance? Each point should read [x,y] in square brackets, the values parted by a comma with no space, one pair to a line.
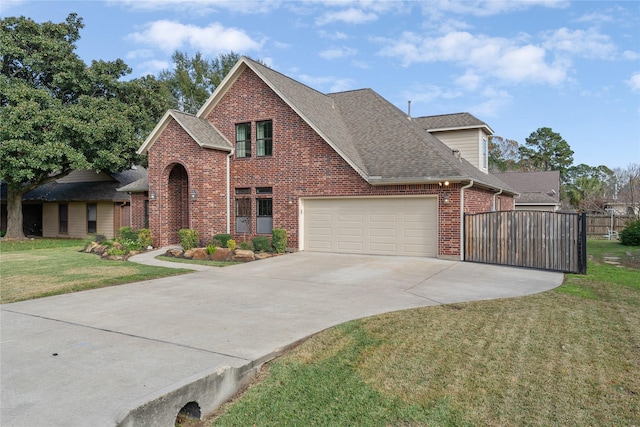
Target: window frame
[91,222]
[63,218]
[263,218]
[243,146]
[243,222]
[264,143]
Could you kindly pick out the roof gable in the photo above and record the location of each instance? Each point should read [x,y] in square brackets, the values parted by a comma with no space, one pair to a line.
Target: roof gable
[535,187]
[456,121]
[200,130]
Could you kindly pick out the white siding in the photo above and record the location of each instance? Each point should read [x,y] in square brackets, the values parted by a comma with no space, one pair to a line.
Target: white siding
[468,142]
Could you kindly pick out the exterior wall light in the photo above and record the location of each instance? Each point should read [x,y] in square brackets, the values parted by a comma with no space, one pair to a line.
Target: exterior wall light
[447,199]
[153,195]
[194,195]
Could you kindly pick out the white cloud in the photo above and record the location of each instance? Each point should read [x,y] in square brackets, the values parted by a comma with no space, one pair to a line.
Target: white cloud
[494,101]
[170,36]
[337,53]
[349,16]
[634,82]
[493,57]
[588,44]
[486,7]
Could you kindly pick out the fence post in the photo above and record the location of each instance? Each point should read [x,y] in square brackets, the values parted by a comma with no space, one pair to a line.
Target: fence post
[582,246]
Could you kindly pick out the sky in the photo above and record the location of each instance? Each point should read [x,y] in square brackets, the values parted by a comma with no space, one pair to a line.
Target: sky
[572,66]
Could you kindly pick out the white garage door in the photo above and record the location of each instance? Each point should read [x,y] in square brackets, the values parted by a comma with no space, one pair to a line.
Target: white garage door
[383,226]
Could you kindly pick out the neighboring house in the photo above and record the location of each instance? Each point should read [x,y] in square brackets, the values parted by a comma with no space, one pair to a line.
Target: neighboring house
[79,205]
[344,172]
[539,191]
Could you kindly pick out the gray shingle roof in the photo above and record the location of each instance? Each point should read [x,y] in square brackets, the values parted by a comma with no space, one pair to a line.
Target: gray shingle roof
[450,121]
[202,131]
[534,187]
[374,136]
[87,191]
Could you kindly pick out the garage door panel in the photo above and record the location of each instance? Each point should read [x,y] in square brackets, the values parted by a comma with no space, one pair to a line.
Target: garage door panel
[389,226]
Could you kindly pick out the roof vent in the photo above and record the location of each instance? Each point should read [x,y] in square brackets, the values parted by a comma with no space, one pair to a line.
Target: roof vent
[457,154]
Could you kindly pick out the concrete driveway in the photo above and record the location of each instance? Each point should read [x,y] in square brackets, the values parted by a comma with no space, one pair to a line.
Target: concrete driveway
[136,354]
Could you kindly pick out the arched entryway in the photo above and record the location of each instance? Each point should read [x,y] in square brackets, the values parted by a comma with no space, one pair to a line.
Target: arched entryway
[177,202]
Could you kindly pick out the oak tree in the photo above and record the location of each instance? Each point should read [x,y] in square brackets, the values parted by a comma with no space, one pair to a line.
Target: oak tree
[58,114]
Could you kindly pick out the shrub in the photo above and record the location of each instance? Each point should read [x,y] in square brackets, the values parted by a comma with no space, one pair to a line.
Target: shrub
[100,238]
[244,246]
[279,240]
[144,237]
[630,236]
[188,238]
[261,244]
[221,240]
[231,244]
[127,233]
[211,249]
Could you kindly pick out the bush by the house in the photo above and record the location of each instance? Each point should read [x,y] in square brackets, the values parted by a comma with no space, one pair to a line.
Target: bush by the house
[221,240]
[261,244]
[630,236]
[211,249]
[279,240]
[188,238]
[231,245]
[245,246]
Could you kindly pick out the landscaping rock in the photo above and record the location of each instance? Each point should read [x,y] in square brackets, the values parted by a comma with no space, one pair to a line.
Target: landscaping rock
[177,253]
[91,247]
[188,254]
[101,249]
[221,254]
[263,255]
[241,255]
[200,253]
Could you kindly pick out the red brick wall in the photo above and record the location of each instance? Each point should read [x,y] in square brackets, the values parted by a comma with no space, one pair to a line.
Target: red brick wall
[138,219]
[204,171]
[302,165]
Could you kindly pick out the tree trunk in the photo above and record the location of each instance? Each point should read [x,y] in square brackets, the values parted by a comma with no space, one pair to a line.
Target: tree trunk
[14,214]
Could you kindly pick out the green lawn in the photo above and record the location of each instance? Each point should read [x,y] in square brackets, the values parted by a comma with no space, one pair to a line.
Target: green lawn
[43,267]
[570,356]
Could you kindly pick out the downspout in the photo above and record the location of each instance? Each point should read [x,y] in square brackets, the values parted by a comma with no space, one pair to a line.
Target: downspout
[229,191]
[494,199]
[462,218]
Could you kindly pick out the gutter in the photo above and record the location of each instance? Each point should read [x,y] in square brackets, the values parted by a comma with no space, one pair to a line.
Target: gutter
[229,191]
[378,180]
[462,219]
[494,199]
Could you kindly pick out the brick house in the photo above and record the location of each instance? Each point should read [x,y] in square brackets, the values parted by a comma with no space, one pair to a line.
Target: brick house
[343,172]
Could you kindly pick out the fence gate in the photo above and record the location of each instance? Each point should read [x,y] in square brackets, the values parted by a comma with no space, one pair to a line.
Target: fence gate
[543,240]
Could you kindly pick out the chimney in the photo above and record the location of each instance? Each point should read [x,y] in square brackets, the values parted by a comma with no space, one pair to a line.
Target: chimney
[409,110]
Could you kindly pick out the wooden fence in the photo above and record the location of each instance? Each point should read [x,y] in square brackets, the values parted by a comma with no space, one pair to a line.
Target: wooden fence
[598,225]
[542,240]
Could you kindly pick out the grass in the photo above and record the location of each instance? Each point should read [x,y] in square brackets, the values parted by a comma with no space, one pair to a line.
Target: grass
[44,267]
[570,356]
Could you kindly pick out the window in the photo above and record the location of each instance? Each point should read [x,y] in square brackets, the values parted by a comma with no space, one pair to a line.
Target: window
[485,154]
[264,138]
[264,190]
[92,218]
[243,140]
[63,218]
[243,215]
[264,216]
